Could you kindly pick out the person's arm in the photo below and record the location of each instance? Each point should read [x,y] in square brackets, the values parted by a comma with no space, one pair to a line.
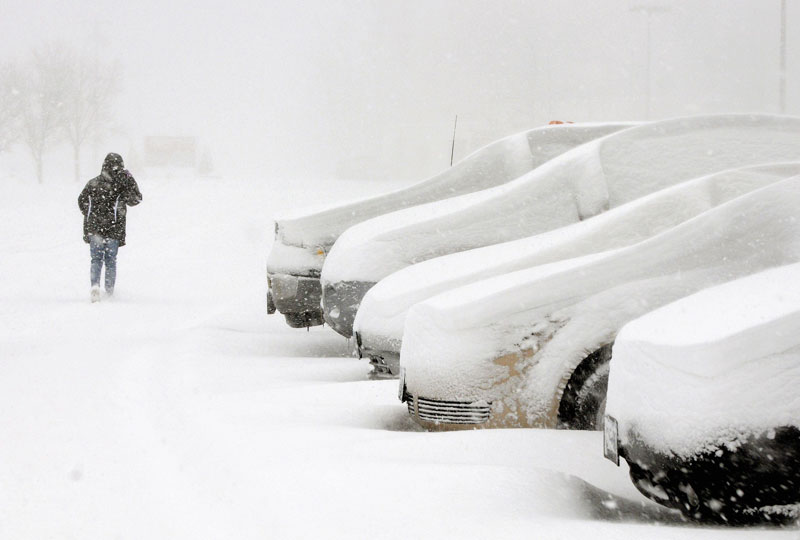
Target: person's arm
[132,194]
[83,200]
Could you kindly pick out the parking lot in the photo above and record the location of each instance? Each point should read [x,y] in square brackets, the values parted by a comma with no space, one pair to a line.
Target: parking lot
[180,410]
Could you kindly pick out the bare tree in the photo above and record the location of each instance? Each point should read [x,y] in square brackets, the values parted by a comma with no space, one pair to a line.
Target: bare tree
[43,96]
[67,94]
[91,88]
[10,110]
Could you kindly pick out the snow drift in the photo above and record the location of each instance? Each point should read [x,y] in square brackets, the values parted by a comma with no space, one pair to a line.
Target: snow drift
[492,165]
[382,313]
[453,342]
[579,184]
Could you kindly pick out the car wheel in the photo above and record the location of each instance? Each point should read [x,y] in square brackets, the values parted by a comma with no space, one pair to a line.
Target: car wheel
[270,303]
[584,401]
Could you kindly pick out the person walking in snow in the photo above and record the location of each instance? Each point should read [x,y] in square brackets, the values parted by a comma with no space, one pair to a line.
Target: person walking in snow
[103,203]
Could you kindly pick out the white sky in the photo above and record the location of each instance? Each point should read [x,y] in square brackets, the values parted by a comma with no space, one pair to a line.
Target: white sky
[297,88]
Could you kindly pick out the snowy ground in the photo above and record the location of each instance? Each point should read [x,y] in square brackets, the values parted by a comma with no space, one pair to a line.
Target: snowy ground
[180,410]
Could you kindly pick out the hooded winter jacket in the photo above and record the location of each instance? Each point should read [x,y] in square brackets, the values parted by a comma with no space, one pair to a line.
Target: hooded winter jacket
[103,203]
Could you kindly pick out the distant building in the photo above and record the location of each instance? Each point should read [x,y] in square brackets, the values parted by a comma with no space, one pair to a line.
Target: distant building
[170,152]
[172,156]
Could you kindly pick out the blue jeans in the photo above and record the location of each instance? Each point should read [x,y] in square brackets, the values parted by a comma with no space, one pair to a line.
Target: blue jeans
[103,250]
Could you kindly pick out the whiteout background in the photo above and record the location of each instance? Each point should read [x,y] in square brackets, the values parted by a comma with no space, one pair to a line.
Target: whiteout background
[370,88]
[180,410]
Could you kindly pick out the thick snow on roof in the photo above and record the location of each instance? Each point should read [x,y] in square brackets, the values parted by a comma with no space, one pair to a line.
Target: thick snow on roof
[713,367]
[715,329]
[469,326]
[492,165]
[383,310]
[757,226]
[579,184]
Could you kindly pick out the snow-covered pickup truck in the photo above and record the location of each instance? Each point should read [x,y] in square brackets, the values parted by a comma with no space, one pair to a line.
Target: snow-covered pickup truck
[703,400]
[577,185]
[531,348]
[378,327]
[301,244]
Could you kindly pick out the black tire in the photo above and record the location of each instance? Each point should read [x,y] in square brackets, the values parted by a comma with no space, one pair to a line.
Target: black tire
[270,303]
[584,401]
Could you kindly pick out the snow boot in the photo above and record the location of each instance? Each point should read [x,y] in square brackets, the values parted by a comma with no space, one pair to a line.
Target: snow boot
[95,295]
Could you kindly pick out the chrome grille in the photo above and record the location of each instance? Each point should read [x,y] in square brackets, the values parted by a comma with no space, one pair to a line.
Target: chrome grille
[449,412]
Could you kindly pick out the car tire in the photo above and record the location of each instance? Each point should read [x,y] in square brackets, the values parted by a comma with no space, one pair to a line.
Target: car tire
[584,400]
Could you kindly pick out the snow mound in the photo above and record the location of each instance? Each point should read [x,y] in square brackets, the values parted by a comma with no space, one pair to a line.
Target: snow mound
[383,310]
[451,340]
[713,367]
[492,165]
[579,184]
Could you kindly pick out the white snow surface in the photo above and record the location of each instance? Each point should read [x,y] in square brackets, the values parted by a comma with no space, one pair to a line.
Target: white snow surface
[492,165]
[451,340]
[180,410]
[712,368]
[383,310]
[576,185]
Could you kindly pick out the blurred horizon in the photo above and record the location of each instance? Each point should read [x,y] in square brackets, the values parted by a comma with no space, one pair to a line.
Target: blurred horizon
[370,89]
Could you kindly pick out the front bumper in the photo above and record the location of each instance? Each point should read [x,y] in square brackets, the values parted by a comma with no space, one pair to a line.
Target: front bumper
[297,298]
[340,302]
[384,363]
[756,481]
[436,414]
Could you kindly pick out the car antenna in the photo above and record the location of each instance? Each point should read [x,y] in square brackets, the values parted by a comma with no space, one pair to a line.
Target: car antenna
[453,146]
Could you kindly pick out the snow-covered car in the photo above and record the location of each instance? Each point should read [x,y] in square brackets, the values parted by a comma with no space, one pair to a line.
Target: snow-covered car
[531,348]
[577,185]
[301,243]
[703,400]
[378,327]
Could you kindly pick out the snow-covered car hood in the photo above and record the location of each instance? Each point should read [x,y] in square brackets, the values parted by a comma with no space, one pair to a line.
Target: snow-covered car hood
[295,260]
[492,165]
[382,313]
[451,341]
[713,367]
[579,184]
